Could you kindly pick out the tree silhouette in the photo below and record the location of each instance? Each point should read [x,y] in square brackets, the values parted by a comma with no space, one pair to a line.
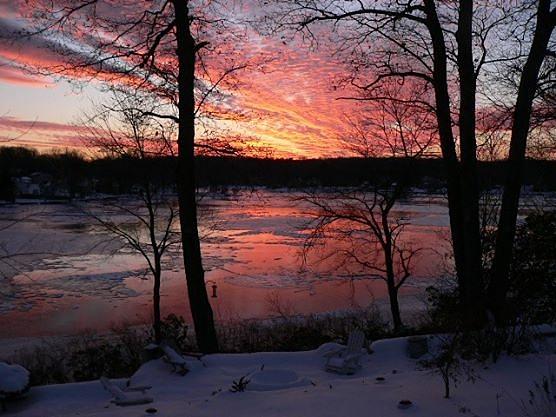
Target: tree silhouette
[122,128]
[361,221]
[180,51]
[452,49]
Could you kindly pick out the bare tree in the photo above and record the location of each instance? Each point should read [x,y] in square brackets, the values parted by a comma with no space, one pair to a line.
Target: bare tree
[452,48]
[123,129]
[365,235]
[182,52]
[361,223]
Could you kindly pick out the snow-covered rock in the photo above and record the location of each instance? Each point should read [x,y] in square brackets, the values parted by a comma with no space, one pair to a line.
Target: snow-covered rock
[14,380]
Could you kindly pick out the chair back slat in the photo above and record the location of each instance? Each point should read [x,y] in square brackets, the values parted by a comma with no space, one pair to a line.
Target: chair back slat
[112,389]
[173,356]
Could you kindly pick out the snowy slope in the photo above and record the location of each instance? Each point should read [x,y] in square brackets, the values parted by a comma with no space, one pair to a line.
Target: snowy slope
[498,390]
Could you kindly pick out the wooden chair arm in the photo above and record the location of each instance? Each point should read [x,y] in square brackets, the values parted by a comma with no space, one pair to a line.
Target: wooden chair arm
[141,388]
[333,352]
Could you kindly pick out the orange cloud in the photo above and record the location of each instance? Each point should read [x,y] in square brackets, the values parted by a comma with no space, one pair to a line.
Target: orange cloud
[297,110]
[291,107]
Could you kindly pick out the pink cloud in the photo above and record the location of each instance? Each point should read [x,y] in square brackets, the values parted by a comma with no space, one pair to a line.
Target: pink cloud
[10,75]
[40,134]
[12,123]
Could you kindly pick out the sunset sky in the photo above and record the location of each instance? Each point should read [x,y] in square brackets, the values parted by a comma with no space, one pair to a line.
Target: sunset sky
[291,106]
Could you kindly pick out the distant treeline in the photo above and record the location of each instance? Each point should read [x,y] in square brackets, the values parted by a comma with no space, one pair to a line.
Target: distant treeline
[76,175]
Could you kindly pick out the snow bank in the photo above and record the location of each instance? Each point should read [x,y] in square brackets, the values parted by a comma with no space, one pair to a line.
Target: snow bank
[280,388]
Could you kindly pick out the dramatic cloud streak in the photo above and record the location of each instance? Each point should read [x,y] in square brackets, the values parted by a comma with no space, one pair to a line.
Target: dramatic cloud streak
[299,111]
[291,107]
[41,134]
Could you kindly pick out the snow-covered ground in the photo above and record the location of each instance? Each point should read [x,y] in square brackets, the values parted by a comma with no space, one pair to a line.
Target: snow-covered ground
[295,384]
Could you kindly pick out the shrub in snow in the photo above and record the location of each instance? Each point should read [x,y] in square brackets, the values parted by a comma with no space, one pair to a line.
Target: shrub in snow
[532,292]
[532,278]
[531,295]
[446,315]
[542,398]
[300,332]
[240,385]
[14,381]
[94,357]
[174,329]
[447,361]
[119,354]
[83,357]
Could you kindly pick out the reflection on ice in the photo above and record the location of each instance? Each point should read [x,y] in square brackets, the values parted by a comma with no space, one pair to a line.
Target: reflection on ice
[252,249]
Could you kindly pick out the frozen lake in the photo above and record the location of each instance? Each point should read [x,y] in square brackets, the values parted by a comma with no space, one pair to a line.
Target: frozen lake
[73,277]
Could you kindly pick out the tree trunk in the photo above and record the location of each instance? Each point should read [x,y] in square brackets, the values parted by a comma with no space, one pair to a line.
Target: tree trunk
[390,275]
[446,379]
[472,294]
[156,304]
[201,310]
[499,283]
[156,266]
[394,304]
[459,216]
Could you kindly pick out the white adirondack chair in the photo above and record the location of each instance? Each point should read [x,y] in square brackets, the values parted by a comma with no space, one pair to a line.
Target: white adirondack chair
[126,396]
[346,360]
[178,362]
